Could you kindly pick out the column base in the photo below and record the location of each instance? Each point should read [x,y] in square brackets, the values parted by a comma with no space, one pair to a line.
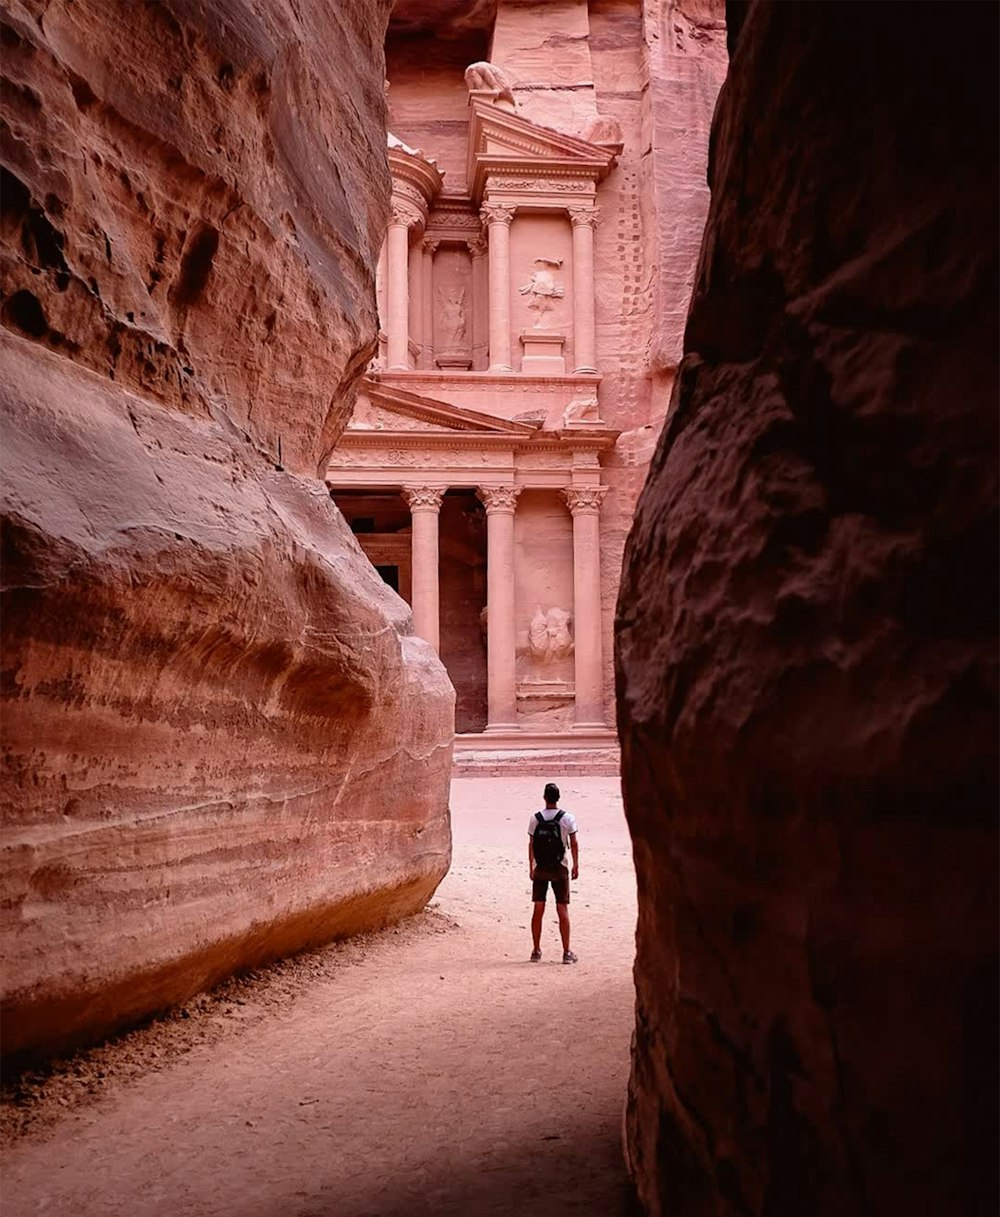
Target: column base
[592,725]
[494,728]
[584,371]
[501,368]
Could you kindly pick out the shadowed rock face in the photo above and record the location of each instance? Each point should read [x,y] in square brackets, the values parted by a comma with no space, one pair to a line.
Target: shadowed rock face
[221,740]
[805,647]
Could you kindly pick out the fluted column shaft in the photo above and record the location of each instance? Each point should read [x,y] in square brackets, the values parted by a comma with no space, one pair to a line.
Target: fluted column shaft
[498,219]
[585,505]
[584,220]
[479,249]
[428,249]
[418,319]
[397,291]
[500,502]
[425,509]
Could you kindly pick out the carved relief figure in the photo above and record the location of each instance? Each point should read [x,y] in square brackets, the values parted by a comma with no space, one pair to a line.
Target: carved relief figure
[581,410]
[451,318]
[542,290]
[549,636]
[487,77]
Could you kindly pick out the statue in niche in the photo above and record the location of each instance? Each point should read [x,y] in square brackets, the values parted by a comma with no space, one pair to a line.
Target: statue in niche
[549,635]
[484,77]
[542,290]
[451,318]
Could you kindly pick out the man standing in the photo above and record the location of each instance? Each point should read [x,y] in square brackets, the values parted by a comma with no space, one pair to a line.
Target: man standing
[549,832]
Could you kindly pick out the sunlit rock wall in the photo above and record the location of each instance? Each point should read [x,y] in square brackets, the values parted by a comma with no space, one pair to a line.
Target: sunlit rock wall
[806,642]
[221,740]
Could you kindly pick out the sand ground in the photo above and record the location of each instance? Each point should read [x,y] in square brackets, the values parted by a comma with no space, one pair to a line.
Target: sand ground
[427,1069]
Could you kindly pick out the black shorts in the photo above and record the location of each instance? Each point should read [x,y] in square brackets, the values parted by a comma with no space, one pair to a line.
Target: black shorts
[558,877]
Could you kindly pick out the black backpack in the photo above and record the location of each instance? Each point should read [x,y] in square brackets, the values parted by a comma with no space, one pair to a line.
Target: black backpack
[548,842]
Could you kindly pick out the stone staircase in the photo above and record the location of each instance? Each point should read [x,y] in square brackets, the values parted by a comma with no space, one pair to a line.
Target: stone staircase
[587,753]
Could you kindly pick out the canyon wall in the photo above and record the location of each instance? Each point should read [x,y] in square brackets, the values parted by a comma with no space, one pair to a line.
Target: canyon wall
[806,645]
[221,740]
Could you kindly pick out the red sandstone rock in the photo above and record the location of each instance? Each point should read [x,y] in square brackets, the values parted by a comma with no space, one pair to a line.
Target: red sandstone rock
[221,740]
[806,653]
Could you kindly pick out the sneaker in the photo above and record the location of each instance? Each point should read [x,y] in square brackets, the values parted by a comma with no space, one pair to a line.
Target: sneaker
[569,957]
[535,956]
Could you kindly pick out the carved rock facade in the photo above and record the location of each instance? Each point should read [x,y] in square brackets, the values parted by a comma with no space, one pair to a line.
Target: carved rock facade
[806,644]
[208,690]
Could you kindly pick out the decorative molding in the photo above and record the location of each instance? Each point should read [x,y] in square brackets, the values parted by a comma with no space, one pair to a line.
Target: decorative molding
[424,498]
[498,498]
[582,499]
[540,185]
[478,247]
[497,213]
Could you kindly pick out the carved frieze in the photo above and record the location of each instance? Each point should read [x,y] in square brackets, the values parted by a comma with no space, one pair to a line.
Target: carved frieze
[542,185]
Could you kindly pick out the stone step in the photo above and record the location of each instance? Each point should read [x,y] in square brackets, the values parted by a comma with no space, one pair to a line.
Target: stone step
[580,762]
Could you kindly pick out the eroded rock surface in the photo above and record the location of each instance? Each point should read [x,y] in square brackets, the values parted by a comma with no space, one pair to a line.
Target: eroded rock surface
[806,654]
[221,740]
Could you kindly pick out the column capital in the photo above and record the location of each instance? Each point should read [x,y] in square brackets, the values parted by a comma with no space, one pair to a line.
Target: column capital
[497,213]
[401,215]
[584,217]
[478,247]
[582,499]
[424,498]
[498,498]
[430,245]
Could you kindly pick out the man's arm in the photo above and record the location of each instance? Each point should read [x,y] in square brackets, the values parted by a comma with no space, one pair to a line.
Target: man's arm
[574,846]
[531,856]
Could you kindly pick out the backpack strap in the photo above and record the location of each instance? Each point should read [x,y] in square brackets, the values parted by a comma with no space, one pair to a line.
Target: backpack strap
[539,817]
[556,818]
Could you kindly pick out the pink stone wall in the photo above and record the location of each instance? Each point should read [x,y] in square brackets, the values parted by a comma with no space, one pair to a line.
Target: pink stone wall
[206,685]
[807,643]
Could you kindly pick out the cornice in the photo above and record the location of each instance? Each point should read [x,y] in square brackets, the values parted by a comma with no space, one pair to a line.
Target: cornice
[505,381]
[475,441]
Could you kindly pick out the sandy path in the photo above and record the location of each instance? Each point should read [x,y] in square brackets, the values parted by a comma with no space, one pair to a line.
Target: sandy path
[431,1071]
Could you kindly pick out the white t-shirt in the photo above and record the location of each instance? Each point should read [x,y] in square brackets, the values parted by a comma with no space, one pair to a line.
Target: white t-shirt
[567,825]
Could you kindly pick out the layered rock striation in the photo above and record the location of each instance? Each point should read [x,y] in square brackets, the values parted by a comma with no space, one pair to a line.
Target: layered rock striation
[222,741]
[806,643]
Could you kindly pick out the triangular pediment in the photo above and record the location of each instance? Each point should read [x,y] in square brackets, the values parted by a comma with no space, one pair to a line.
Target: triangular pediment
[384,408]
[500,137]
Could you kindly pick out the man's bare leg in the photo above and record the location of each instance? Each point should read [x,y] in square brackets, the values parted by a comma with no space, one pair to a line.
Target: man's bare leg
[536,923]
[563,911]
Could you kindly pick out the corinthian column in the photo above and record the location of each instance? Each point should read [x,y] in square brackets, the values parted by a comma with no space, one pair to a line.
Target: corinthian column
[584,328]
[425,507]
[500,502]
[585,505]
[498,217]
[397,289]
[479,249]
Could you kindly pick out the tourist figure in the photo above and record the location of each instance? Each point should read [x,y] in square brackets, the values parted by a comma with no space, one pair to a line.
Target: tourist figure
[550,831]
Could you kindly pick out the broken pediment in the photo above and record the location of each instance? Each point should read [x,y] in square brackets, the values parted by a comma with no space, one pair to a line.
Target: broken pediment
[506,144]
[383,409]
